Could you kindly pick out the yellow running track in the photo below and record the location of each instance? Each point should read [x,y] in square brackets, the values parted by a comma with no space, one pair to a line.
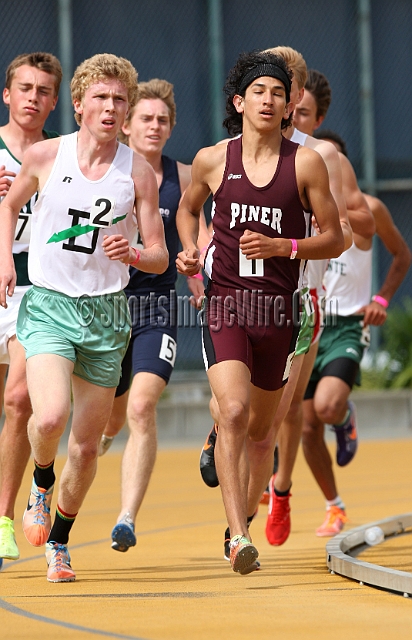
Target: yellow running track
[175,585]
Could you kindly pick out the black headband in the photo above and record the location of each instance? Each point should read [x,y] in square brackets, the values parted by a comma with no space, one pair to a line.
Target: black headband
[266,69]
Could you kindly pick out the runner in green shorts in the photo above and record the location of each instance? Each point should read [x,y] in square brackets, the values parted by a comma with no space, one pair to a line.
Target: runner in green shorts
[93,194]
[340,351]
[92,331]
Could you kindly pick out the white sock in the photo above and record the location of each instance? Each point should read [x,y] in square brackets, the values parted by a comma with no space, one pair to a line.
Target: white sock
[337,502]
[347,414]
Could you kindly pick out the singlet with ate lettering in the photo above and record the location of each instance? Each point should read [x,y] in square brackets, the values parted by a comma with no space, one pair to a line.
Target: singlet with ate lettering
[348,282]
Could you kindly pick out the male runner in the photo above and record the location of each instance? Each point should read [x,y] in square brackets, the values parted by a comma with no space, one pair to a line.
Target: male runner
[74,322]
[151,353]
[264,188]
[30,94]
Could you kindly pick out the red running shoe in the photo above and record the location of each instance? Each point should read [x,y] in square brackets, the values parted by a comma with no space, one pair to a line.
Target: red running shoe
[278,520]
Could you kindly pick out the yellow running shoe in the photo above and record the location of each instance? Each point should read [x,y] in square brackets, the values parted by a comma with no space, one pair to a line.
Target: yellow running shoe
[8,546]
[58,561]
[36,518]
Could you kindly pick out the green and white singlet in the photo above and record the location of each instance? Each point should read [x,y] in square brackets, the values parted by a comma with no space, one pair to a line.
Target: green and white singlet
[23,227]
[70,218]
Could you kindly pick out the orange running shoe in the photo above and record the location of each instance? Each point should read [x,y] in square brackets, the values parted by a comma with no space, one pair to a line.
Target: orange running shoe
[278,520]
[58,561]
[334,522]
[36,518]
[243,555]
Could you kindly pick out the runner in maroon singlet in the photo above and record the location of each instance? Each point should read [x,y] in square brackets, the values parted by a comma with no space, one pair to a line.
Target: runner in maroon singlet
[264,189]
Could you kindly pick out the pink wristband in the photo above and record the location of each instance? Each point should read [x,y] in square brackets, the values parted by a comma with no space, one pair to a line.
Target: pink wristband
[137,258]
[381,301]
[294,249]
[198,276]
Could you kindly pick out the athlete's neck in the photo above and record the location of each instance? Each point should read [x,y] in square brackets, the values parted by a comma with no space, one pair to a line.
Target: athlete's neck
[18,140]
[94,156]
[288,133]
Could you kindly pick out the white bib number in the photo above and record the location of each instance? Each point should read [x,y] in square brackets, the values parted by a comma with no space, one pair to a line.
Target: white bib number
[168,349]
[23,228]
[250,268]
[102,212]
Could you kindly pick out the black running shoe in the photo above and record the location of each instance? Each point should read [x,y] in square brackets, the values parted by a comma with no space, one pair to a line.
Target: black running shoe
[207,460]
[275,461]
[227,545]
[346,438]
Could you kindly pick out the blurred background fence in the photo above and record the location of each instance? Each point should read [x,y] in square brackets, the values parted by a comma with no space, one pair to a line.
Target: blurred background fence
[363,46]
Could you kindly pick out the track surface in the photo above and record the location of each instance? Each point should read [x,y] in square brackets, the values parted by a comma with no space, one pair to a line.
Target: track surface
[175,585]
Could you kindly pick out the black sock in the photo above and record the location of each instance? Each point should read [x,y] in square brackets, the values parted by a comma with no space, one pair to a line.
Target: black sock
[44,475]
[60,530]
[282,494]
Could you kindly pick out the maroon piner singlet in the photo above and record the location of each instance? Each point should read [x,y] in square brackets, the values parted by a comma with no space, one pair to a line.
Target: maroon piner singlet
[275,210]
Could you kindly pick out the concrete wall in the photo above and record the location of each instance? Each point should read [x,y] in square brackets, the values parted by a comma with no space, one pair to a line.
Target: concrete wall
[183,412]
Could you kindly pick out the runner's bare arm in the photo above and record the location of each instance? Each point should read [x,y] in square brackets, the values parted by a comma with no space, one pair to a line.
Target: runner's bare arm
[205,175]
[195,284]
[360,216]
[375,312]
[154,257]
[20,192]
[313,184]
[331,157]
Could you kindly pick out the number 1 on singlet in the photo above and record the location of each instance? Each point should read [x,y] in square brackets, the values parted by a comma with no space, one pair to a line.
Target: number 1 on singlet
[250,268]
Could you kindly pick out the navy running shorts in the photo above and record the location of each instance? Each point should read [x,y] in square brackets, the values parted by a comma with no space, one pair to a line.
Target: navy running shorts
[153,344]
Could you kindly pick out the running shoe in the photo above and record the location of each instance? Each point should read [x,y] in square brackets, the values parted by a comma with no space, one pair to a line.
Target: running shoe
[207,460]
[58,562]
[346,438]
[105,444]
[333,524]
[36,518]
[8,546]
[255,567]
[278,520]
[227,545]
[123,535]
[243,555]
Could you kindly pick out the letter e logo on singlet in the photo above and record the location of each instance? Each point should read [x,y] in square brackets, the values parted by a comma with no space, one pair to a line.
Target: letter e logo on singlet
[250,268]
